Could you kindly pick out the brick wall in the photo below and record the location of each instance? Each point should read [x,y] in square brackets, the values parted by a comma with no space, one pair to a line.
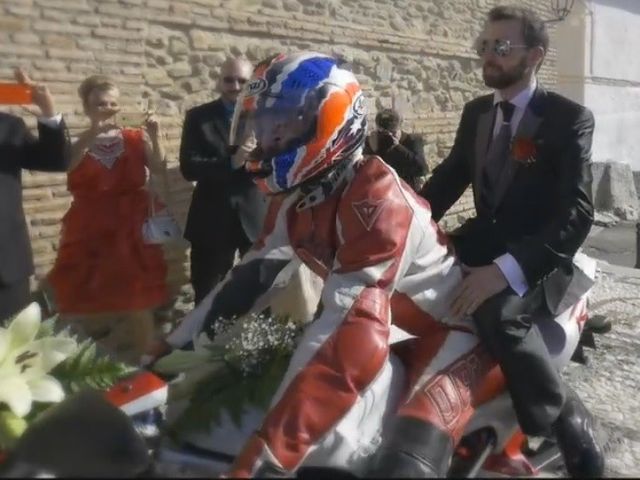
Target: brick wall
[415,55]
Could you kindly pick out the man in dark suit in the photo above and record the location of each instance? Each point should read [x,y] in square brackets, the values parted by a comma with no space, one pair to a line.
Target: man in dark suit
[403,151]
[226,207]
[527,153]
[19,150]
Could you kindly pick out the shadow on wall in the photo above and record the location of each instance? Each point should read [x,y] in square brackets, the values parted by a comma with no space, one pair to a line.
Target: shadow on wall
[614,190]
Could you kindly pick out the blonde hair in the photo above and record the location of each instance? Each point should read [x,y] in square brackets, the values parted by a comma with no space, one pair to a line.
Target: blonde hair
[92,83]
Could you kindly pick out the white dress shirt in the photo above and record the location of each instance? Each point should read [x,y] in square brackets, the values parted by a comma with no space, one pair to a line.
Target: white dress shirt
[506,263]
[52,122]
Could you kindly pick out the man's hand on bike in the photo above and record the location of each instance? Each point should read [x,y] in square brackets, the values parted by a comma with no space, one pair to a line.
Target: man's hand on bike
[479,284]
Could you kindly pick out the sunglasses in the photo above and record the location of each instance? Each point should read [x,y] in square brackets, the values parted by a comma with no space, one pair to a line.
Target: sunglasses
[502,48]
[240,80]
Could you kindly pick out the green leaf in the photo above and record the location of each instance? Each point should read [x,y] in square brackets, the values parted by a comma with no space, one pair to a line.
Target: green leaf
[206,404]
[88,369]
[179,361]
[47,328]
[233,399]
[267,384]
[11,428]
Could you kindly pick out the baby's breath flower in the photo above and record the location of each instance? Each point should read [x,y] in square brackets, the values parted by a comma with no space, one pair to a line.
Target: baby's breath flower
[258,339]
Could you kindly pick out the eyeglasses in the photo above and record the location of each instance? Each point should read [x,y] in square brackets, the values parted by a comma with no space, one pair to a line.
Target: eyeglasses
[240,80]
[502,48]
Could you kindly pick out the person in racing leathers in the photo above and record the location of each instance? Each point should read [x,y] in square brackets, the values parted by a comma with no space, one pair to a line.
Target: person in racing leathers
[371,238]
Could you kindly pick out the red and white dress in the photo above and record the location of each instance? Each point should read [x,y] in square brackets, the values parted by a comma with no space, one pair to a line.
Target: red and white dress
[103,264]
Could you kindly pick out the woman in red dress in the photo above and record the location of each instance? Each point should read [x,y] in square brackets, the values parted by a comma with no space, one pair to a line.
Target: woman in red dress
[104,271]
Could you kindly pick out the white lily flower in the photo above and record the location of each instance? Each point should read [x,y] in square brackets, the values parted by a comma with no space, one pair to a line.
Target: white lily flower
[26,361]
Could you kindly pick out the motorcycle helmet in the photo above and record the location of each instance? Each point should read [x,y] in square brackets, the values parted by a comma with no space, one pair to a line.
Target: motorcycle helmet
[302,114]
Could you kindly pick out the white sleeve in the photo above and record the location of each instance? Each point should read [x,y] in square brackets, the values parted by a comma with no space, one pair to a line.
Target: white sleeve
[52,122]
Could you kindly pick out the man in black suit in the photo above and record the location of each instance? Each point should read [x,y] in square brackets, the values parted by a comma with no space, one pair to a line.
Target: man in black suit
[403,151]
[19,149]
[226,207]
[527,153]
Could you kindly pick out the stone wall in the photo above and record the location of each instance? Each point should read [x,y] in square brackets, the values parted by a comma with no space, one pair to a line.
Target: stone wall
[413,54]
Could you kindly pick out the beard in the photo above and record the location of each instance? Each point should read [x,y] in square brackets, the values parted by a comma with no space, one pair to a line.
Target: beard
[500,78]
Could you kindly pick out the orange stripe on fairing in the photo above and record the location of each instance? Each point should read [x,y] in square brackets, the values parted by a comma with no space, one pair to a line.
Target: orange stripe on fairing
[511,462]
[327,387]
[333,113]
[513,448]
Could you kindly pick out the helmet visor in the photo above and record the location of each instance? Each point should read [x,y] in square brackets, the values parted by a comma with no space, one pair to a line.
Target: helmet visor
[275,123]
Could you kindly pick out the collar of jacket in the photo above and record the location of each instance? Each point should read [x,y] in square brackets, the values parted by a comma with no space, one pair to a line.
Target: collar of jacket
[317,192]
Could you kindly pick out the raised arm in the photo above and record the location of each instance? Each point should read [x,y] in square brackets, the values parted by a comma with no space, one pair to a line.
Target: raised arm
[50,151]
[410,155]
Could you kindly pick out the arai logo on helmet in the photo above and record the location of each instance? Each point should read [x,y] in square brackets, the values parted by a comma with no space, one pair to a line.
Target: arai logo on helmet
[256,86]
[358,106]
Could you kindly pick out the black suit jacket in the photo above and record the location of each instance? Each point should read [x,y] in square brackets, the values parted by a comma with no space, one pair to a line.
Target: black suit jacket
[544,210]
[205,159]
[406,158]
[19,149]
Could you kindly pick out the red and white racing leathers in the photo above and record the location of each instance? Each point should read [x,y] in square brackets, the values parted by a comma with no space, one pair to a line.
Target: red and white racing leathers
[383,260]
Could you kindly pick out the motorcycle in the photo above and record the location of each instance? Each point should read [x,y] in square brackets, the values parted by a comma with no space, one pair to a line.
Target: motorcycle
[492,444]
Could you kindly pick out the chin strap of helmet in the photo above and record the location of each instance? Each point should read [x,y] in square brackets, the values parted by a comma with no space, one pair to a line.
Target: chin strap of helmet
[315,192]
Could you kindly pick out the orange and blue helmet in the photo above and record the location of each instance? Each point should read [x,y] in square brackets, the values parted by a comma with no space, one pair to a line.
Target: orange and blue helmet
[302,114]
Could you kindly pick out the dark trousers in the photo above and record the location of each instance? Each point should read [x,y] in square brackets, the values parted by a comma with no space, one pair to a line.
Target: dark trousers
[211,261]
[506,324]
[14,297]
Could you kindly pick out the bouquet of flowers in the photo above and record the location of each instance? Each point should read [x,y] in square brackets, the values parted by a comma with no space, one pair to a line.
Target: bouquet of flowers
[241,367]
[39,366]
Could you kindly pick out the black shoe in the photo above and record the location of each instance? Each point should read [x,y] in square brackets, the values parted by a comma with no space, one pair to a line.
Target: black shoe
[574,432]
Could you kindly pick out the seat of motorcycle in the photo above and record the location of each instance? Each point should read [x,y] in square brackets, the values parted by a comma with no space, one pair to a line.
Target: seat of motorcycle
[83,436]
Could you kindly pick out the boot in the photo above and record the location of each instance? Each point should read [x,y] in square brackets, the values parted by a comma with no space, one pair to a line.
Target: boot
[574,432]
[412,448]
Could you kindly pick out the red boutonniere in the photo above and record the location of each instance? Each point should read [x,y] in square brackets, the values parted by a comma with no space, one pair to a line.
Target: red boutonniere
[524,150]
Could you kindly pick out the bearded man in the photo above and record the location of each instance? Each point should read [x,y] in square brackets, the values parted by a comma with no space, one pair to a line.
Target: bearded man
[526,152]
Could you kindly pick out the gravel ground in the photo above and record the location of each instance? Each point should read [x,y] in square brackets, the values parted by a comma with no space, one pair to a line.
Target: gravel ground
[609,383]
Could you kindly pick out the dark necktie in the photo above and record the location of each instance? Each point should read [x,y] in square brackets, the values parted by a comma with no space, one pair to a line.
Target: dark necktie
[497,156]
